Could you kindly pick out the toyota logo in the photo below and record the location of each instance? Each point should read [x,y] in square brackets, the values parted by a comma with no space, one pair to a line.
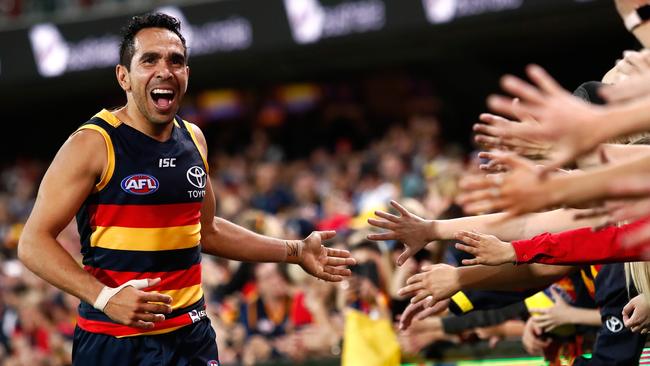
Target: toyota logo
[197,177]
[614,324]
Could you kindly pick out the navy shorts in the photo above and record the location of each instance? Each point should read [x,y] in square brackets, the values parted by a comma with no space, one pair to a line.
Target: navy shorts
[193,345]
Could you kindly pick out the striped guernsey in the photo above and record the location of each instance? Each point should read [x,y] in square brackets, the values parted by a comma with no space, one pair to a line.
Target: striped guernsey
[143,221]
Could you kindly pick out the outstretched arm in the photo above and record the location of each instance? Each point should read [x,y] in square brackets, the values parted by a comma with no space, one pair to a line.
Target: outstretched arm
[222,238]
[524,189]
[441,281]
[563,313]
[579,246]
[435,285]
[415,232]
[572,126]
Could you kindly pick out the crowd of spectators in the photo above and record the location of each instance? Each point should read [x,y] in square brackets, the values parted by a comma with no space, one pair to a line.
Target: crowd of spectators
[266,312]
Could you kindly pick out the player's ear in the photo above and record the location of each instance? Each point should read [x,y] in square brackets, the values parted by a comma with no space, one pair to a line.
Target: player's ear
[187,79]
[123,79]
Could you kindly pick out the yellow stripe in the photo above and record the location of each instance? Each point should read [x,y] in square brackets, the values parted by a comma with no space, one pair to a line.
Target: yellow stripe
[540,300]
[196,142]
[184,297]
[110,156]
[109,117]
[462,301]
[146,239]
[594,271]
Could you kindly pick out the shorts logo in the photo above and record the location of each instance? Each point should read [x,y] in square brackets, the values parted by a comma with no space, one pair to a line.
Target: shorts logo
[614,324]
[197,315]
[213,363]
[197,177]
[140,184]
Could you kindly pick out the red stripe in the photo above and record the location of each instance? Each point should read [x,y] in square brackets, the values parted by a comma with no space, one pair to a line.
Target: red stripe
[145,216]
[118,330]
[172,280]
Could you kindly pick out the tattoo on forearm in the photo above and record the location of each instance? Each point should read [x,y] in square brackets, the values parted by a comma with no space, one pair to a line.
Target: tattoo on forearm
[292,249]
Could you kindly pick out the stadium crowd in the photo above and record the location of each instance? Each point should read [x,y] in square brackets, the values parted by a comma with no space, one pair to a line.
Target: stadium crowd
[542,260]
[264,312]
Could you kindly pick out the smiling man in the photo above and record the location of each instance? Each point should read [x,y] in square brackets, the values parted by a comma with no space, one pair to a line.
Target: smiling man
[136,179]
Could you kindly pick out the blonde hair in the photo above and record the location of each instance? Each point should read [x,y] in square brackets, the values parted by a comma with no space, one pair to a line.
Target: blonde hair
[638,273]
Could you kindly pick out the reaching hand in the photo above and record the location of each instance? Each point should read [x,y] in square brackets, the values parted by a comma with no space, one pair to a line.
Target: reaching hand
[627,210]
[412,230]
[636,315]
[325,263]
[532,339]
[550,318]
[439,281]
[486,249]
[566,122]
[421,310]
[136,308]
[499,133]
[519,191]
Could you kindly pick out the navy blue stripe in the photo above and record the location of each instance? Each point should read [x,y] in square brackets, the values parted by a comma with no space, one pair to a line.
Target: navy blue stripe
[87,311]
[141,261]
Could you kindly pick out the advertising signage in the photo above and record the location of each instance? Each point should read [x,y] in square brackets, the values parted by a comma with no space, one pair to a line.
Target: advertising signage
[48,50]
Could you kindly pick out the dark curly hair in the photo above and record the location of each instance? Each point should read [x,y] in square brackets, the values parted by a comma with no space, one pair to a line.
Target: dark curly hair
[140,22]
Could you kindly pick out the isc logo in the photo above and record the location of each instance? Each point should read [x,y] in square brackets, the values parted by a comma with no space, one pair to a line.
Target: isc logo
[140,184]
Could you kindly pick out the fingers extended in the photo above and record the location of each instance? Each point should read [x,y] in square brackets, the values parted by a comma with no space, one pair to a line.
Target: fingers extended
[382,224]
[338,271]
[155,297]
[339,253]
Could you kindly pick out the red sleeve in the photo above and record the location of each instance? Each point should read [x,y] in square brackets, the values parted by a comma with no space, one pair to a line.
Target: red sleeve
[581,246]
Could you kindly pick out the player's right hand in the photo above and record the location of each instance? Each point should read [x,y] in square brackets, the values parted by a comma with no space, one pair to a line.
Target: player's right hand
[137,308]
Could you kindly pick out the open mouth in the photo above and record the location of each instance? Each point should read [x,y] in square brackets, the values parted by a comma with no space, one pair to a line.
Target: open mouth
[162,98]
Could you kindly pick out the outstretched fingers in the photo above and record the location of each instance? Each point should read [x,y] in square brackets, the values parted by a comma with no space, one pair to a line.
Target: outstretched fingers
[388,225]
[519,88]
[326,235]
[469,237]
[337,271]
[389,235]
[410,289]
[388,216]
[467,249]
[543,79]
[406,254]
[340,253]
[409,313]
[399,208]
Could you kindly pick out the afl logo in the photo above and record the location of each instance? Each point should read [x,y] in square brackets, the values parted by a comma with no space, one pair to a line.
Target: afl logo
[140,184]
[197,177]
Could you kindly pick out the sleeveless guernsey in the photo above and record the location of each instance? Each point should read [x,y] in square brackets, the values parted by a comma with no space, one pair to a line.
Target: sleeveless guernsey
[143,221]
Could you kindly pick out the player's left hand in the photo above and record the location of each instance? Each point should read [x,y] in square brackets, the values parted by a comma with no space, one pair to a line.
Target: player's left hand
[328,264]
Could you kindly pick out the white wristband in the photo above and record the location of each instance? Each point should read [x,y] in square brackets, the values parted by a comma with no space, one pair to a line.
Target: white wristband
[108,292]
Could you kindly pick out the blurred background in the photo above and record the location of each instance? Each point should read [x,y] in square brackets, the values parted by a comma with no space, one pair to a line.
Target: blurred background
[317,112]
